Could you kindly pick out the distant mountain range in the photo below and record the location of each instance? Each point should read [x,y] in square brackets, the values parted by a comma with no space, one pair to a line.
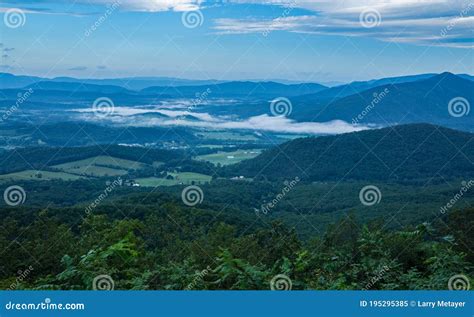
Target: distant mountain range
[421,98]
[8,81]
[11,81]
[423,101]
[78,87]
[310,93]
[359,86]
[401,153]
[160,86]
[240,89]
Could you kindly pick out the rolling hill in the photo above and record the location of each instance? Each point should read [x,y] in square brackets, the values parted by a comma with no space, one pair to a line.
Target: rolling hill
[43,157]
[78,87]
[240,89]
[139,83]
[413,102]
[356,87]
[402,153]
[11,81]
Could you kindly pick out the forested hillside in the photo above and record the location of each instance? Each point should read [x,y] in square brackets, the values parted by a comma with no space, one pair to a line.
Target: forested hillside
[400,153]
[154,242]
[424,100]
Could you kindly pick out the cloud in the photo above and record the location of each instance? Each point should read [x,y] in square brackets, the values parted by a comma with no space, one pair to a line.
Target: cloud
[78,68]
[8,49]
[127,5]
[162,5]
[37,10]
[126,116]
[101,67]
[427,22]
[130,112]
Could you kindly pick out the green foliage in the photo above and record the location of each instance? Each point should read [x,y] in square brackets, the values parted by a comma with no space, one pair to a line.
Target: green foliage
[401,153]
[40,157]
[172,247]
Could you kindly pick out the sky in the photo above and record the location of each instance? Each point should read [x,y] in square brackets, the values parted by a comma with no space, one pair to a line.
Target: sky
[312,41]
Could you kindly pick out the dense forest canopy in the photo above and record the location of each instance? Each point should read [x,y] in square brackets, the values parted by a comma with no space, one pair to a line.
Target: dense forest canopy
[400,153]
[120,217]
[161,244]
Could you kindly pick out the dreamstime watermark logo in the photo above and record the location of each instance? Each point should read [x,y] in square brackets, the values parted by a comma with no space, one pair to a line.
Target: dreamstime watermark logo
[110,187]
[370,18]
[192,196]
[377,277]
[281,282]
[14,196]
[110,9]
[103,283]
[14,18]
[198,278]
[466,186]
[289,185]
[378,97]
[370,195]
[22,98]
[192,19]
[459,107]
[281,107]
[286,13]
[459,282]
[200,99]
[22,275]
[103,107]
[454,21]
[44,305]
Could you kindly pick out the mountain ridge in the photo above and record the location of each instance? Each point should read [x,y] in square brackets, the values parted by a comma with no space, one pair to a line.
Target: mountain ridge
[241,88]
[421,101]
[400,153]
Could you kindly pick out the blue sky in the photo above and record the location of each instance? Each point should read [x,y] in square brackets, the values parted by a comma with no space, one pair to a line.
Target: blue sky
[319,41]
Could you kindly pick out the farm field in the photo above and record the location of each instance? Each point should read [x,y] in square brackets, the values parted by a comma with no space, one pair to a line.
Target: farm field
[100,166]
[108,161]
[228,158]
[155,182]
[39,176]
[178,178]
[232,136]
[211,146]
[94,171]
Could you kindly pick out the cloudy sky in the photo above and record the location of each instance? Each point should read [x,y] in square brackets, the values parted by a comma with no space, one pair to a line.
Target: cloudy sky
[319,41]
